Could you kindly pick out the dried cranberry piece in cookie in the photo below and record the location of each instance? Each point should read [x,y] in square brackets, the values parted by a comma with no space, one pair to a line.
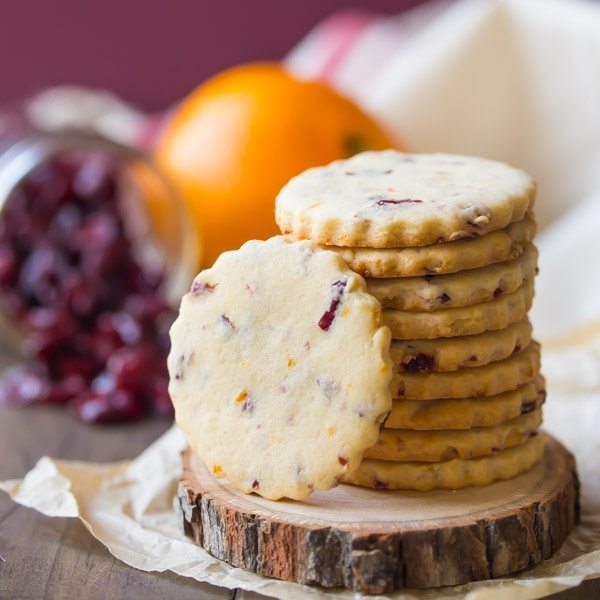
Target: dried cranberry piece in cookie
[326,320]
[421,363]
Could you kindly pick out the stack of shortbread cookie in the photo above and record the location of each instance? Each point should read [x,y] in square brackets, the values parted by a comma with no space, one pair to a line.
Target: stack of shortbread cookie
[445,244]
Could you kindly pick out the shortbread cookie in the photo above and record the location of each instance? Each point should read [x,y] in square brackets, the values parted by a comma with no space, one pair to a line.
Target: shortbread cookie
[388,199]
[441,292]
[464,320]
[436,446]
[450,354]
[280,368]
[465,413]
[452,474]
[446,257]
[493,378]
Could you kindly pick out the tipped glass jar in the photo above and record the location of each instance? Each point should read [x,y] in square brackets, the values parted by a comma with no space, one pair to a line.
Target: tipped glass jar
[96,249]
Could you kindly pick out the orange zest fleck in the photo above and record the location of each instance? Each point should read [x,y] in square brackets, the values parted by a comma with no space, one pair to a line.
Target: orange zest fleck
[217,469]
[291,362]
[241,396]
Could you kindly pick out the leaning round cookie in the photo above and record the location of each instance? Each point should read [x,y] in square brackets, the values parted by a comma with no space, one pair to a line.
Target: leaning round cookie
[464,320]
[450,354]
[277,344]
[442,258]
[436,446]
[491,379]
[465,413]
[441,292]
[388,199]
[453,474]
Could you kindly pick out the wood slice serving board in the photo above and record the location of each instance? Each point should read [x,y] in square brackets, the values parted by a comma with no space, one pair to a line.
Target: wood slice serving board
[378,541]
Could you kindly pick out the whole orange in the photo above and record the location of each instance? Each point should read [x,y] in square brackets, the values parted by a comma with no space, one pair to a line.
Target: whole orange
[238,138]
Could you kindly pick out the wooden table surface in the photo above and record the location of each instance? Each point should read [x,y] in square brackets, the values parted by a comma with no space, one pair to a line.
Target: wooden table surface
[57,558]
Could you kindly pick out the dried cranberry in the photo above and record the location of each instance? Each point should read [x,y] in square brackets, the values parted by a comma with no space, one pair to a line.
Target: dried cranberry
[47,187]
[84,344]
[91,311]
[202,288]
[97,231]
[421,363]
[66,389]
[93,183]
[130,366]
[123,325]
[64,224]
[14,304]
[328,316]
[227,322]
[42,274]
[80,296]
[26,384]
[8,266]
[103,259]
[95,346]
[107,408]
[146,308]
[27,233]
[528,407]
[67,366]
[49,328]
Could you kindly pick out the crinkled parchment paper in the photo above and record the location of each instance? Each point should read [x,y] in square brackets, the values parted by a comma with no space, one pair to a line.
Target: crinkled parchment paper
[128,506]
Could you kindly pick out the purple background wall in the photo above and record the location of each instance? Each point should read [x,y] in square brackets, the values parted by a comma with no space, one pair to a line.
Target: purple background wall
[150,52]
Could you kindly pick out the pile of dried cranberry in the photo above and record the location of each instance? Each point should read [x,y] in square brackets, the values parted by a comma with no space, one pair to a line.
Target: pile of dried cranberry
[91,315]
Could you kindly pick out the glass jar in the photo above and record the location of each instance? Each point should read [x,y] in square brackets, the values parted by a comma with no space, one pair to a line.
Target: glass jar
[96,250]
[160,223]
